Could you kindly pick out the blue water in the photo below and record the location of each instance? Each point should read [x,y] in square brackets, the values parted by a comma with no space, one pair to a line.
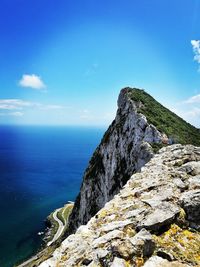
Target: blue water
[41,169]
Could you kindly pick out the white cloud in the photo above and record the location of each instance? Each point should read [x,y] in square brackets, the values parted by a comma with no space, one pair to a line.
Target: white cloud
[194,112]
[19,104]
[196,49]
[189,110]
[32,81]
[188,113]
[193,99]
[14,104]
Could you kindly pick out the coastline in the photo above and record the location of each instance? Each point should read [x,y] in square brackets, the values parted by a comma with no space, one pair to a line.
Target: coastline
[57,223]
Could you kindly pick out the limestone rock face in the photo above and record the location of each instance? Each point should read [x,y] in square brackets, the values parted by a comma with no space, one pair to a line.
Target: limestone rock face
[124,149]
[152,221]
[191,204]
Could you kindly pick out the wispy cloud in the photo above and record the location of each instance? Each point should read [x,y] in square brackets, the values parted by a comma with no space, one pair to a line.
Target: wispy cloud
[189,110]
[194,112]
[19,104]
[14,104]
[32,81]
[193,99]
[196,49]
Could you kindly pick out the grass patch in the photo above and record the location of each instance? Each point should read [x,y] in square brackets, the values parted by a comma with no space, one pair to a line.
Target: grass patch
[67,210]
[63,214]
[60,216]
[157,146]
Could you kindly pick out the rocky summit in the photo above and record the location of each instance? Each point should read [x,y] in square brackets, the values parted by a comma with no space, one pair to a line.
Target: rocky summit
[139,203]
[141,126]
[153,221]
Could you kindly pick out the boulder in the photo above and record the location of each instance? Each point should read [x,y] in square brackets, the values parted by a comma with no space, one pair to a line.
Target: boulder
[192,167]
[160,217]
[190,201]
[123,248]
[107,238]
[143,243]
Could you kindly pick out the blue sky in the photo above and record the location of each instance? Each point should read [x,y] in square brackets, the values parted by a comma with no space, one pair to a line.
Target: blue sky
[64,62]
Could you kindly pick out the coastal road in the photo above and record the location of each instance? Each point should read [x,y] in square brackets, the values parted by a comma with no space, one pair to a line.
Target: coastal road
[60,227]
[56,236]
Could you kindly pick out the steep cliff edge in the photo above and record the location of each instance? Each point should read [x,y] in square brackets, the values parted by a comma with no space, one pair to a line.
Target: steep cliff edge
[140,128]
[153,222]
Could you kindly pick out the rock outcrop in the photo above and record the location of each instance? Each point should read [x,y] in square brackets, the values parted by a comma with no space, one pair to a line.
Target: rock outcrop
[141,127]
[155,219]
[152,222]
[124,149]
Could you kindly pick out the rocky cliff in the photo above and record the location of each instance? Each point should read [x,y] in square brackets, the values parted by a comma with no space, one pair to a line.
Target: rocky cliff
[154,221]
[140,128]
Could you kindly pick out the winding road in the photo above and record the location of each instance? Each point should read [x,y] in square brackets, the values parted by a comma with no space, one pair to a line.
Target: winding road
[60,227]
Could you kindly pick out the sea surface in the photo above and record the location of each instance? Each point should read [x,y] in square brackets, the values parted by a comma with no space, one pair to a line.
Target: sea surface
[41,169]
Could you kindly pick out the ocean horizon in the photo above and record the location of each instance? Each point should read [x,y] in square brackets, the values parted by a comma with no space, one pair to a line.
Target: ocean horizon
[41,169]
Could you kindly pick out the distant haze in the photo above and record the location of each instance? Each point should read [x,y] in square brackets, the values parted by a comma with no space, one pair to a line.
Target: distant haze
[64,62]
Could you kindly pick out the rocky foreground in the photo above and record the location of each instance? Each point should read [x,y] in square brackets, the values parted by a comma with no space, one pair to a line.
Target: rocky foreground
[153,221]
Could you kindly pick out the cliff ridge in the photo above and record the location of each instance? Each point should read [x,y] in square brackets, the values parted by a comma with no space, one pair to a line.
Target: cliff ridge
[153,221]
[140,128]
[139,202]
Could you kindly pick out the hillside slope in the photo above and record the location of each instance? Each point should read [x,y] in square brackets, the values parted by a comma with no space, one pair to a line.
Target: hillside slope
[140,128]
[165,120]
[154,221]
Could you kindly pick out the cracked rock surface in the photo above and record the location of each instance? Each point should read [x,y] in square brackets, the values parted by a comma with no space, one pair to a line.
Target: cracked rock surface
[124,149]
[153,221]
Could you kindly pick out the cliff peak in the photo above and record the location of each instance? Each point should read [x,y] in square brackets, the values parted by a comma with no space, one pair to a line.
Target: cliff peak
[151,199]
[125,97]
[141,127]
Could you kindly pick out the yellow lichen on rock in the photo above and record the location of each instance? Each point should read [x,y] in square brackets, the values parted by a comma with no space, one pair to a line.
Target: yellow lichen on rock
[139,262]
[103,213]
[156,226]
[129,231]
[183,245]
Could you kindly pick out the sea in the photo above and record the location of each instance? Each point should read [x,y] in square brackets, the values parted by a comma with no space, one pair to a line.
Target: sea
[41,169]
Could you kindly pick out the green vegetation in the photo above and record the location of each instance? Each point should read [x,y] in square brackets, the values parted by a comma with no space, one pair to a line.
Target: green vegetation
[67,210]
[60,216]
[178,130]
[54,227]
[63,213]
[157,146]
